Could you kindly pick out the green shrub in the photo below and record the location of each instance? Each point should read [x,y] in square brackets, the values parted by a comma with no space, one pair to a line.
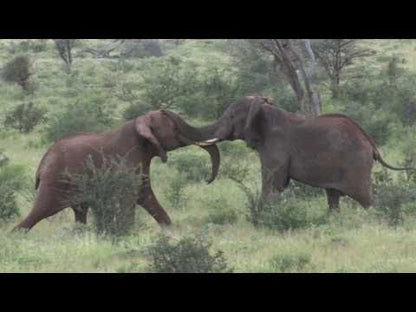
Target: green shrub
[181,84]
[30,45]
[303,191]
[290,213]
[111,191]
[78,117]
[284,212]
[390,197]
[193,167]
[290,262]
[24,117]
[12,181]
[17,71]
[167,81]
[219,211]
[175,192]
[188,255]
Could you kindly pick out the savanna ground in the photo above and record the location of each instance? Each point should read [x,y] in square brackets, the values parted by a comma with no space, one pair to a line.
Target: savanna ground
[380,239]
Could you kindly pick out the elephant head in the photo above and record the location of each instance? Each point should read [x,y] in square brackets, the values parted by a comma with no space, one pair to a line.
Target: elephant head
[241,120]
[162,129]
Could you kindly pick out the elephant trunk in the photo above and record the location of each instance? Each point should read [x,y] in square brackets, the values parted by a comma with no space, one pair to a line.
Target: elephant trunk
[204,136]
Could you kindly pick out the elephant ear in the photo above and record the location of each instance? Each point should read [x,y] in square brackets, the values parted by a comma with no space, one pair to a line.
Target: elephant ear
[144,130]
[252,129]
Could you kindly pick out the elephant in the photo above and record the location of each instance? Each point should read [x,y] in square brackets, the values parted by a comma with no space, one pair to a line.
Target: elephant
[328,151]
[138,141]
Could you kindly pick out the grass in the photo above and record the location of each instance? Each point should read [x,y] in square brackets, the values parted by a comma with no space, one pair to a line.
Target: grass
[369,248]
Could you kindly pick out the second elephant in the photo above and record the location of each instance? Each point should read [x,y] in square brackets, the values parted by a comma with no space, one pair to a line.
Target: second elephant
[138,141]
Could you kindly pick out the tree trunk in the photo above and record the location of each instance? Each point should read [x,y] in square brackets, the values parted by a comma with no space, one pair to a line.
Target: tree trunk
[307,96]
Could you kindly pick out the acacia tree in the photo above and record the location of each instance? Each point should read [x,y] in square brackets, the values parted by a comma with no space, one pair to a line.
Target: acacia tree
[296,60]
[64,48]
[336,54]
[105,48]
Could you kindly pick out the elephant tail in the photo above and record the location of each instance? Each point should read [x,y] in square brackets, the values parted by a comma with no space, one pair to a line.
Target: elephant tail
[377,157]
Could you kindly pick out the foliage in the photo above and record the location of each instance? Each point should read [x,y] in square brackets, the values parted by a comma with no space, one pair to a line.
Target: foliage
[175,192]
[188,255]
[219,211]
[11,182]
[192,167]
[167,81]
[24,117]
[135,110]
[219,89]
[176,83]
[288,213]
[390,197]
[303,191]
[27,46]
[64,48]
[78,117]
[18,70]
[140,48]
[111,191]
[336,54]
[284,262]
[283,211]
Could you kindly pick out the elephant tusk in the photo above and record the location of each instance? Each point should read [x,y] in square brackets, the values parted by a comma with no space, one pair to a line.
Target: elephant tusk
[207,142]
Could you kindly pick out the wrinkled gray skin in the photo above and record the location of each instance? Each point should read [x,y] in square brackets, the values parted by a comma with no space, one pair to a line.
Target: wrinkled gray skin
[329,151]
[138,141]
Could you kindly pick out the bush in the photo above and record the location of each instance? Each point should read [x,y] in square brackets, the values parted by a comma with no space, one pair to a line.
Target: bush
[197,91]
[290,262]
[289,214]
[140,48]
[303,191]
[111,191]
[11,182]
[24,117]
[175,193]
[192,167]
[78,117]
[219,89]
[18,71]
[283,213]
[188,255]
[219,211]
[31,45]
[167,81]
[390,197]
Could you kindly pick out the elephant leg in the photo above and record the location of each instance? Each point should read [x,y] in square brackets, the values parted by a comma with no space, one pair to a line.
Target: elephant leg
[364,196]
[360,187]
[333,199]
[274,180]
[46,205]
[80,212]
[148,201]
